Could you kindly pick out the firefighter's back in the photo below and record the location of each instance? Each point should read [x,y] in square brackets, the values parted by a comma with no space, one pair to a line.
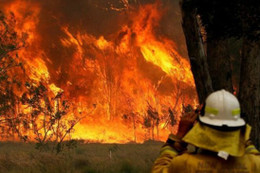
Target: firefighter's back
[208,163]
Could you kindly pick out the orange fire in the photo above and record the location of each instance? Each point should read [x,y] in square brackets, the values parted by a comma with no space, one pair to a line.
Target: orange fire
[113,80]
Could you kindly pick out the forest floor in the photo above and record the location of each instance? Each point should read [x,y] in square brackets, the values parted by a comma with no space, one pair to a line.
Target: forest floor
[84,158]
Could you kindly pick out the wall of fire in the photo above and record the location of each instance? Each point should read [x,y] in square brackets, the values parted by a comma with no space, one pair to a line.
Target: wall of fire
[121,63]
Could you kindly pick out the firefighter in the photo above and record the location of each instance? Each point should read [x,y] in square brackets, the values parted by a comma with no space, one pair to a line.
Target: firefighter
[217,143]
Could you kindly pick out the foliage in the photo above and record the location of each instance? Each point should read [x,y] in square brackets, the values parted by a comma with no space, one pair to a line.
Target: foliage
[47,116]
[151,120]
[11,71]
[187,109]
[28,109]
[9,41]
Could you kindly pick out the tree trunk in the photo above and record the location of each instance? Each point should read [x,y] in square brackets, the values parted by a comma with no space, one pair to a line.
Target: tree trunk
[249,89]
[198,59]
[218,57]
[153,129]
[134,127]
[157,129]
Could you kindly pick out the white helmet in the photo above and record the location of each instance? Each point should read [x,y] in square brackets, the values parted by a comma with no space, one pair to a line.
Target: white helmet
[222,108]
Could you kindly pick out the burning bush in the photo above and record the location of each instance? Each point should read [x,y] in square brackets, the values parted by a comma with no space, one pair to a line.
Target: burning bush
[29,109]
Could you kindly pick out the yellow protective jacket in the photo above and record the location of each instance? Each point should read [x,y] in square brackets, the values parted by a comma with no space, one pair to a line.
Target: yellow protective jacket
[206,163]
[174,159]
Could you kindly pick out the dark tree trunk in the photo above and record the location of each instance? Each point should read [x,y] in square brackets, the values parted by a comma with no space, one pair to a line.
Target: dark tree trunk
[249,89]
[213,71]
[134,127]
[198,59]
[219,63]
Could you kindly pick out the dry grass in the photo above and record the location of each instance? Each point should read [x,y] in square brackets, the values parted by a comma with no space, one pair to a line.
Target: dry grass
[85,158]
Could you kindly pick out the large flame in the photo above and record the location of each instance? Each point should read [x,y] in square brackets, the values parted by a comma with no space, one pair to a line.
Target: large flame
[113,79]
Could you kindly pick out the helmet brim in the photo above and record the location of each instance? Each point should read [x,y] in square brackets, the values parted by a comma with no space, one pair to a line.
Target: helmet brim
[215,122]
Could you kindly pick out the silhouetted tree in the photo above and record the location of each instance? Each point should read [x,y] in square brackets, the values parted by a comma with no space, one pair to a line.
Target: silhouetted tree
[48,116]
[210,28]
[11,71]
